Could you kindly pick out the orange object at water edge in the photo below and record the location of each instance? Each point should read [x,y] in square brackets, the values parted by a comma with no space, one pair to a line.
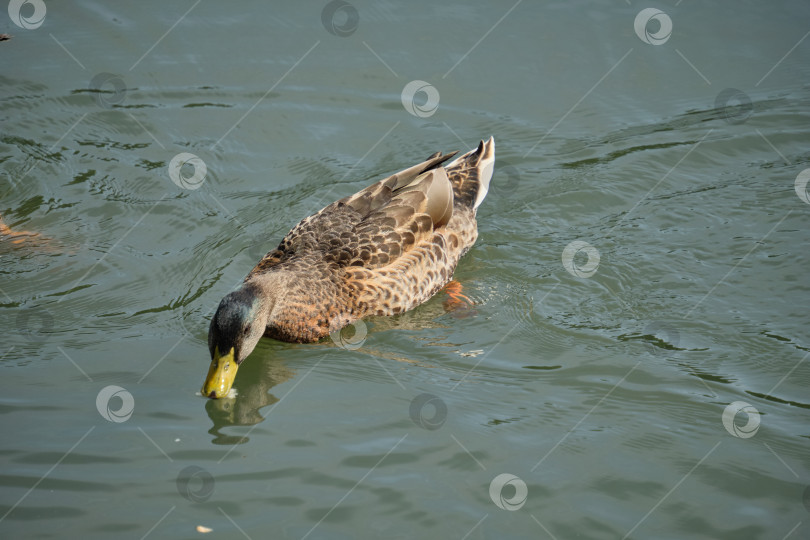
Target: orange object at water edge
[15,237]
[456,303]
[19,239]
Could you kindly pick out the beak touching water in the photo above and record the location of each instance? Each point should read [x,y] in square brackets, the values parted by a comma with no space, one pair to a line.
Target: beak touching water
[221,375]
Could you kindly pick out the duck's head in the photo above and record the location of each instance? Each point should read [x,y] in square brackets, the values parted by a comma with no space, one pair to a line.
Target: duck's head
[235,330]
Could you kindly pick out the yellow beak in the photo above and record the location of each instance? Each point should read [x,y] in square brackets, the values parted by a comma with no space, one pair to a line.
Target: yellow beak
[221,375]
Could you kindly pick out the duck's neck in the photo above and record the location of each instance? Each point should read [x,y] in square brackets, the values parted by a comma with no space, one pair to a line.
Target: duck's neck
[268,288]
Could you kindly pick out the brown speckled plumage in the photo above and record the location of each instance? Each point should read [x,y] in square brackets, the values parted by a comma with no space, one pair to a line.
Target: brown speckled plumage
[381,251]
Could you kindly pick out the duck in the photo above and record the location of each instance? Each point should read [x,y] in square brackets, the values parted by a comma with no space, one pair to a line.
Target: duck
[379,252]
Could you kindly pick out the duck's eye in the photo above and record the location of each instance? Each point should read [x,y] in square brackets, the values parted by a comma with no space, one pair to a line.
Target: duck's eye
[247,330]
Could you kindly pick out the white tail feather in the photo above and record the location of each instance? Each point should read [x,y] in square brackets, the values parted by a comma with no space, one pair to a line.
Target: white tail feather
[485,169]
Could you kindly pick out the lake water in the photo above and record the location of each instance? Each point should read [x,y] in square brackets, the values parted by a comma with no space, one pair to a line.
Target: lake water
[634,364]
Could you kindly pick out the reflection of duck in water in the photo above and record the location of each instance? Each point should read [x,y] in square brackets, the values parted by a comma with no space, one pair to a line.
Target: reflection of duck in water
[382,251]
[244,410]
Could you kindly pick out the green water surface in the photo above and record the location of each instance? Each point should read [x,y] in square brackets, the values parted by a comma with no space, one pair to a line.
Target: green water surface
[641,273]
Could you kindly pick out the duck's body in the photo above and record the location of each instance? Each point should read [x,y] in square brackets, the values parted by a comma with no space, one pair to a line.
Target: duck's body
[382,251]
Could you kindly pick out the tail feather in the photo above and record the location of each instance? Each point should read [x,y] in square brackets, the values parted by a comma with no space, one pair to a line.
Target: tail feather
[471,173]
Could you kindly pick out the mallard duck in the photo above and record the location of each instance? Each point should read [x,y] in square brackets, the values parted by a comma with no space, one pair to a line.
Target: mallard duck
[381,251]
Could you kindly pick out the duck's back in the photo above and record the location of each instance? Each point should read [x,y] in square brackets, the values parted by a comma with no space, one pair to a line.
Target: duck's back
[381,251]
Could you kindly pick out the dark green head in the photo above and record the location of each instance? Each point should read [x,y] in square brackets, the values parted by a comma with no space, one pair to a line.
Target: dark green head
[235,330]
